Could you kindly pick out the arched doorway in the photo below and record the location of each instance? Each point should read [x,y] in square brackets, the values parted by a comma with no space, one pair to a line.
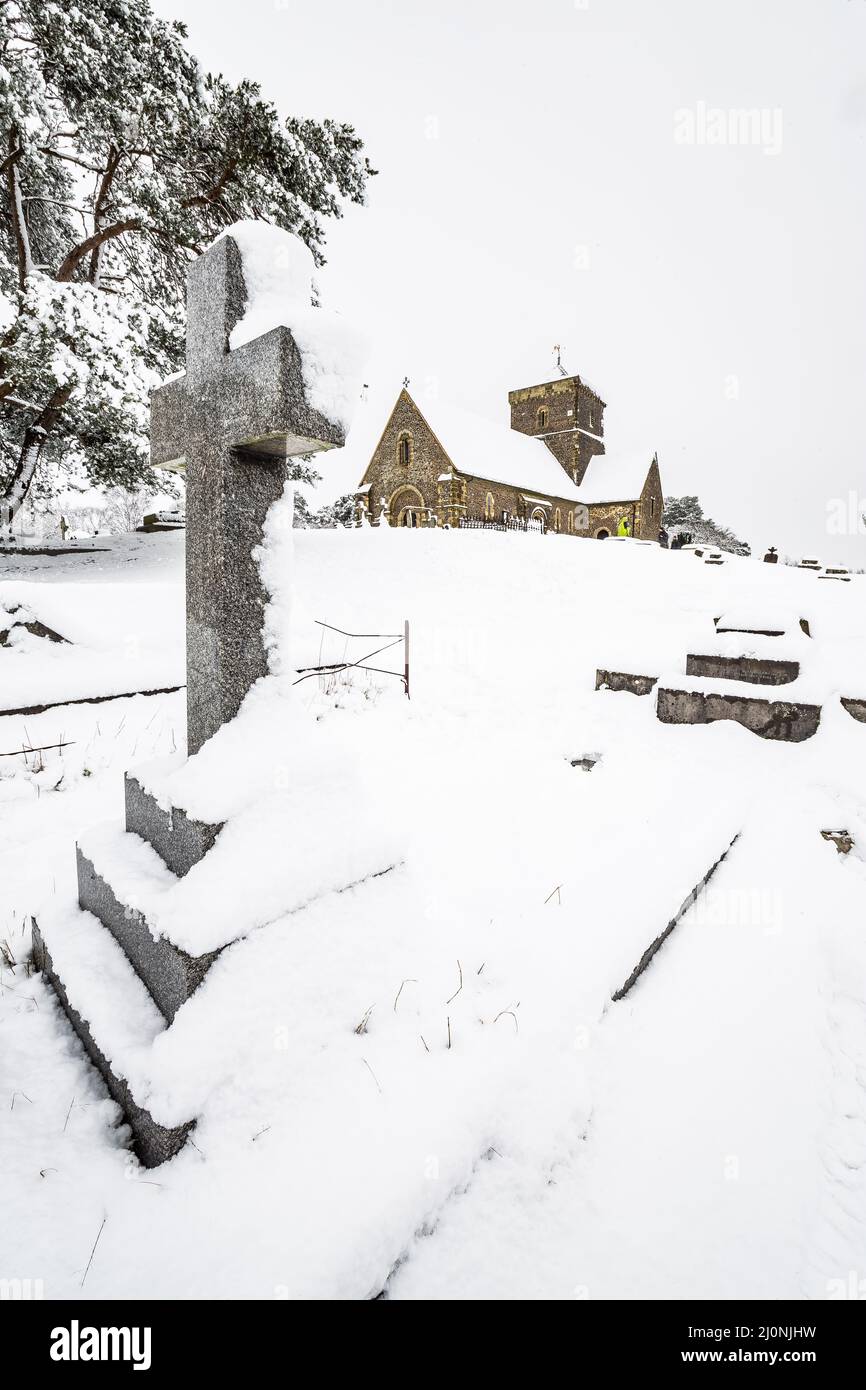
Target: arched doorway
[406,507]
[538,519]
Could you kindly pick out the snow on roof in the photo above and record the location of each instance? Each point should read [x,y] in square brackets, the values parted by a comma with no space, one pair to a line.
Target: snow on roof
[567,376]
[484,449]
[497,453]
[612,479]
[589,386]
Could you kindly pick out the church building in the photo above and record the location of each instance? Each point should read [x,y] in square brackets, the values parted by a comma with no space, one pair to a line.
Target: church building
[549,471]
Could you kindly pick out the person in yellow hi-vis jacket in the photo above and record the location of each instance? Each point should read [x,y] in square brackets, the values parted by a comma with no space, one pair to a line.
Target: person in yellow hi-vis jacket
[623,529]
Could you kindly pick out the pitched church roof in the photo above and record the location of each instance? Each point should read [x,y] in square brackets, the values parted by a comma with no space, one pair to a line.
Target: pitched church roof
[481,448]
[497,453]
[612,479]
[502,455]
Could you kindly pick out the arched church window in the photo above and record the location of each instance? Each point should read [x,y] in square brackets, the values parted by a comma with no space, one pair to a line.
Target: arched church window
[489,507]
[542,417]
[404,449]
[557,520]
[571,523]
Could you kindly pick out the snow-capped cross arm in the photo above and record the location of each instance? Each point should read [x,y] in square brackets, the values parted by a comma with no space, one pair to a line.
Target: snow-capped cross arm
[251,398]
[231,422]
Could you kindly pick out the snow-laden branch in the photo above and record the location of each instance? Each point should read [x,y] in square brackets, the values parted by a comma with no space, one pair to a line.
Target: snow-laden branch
[71,159]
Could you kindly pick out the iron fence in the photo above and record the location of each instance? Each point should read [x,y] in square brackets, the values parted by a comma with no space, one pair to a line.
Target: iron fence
[511,523]
[333,668]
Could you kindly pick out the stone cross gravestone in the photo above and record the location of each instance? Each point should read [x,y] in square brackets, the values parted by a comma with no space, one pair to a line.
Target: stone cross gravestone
[232,420]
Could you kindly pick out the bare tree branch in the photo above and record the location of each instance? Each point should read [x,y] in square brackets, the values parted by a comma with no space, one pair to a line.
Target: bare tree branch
[213,194]
[84,248]
[31,451]
[99,209]
[12,158]
[16,209]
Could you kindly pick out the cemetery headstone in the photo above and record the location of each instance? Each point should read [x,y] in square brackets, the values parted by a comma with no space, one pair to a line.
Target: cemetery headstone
[233,421]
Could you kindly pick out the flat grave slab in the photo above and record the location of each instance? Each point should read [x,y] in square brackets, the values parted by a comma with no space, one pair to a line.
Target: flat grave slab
[624,680]
[786,720]
[754,670]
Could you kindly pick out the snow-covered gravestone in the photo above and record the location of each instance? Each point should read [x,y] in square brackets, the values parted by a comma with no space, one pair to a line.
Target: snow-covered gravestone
[263,384]
[269,376]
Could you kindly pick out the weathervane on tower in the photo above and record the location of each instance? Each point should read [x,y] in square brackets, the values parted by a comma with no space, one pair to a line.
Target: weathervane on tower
[557,348]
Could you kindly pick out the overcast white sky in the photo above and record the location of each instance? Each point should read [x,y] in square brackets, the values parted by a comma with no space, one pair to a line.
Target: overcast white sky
[532,191]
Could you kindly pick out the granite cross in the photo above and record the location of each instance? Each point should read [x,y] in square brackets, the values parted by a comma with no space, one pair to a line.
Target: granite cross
[231,421]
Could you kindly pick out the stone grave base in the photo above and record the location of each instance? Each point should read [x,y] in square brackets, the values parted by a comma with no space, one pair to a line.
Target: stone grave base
[791,721]
[755,670]
[840,838]
[178,839]
[153,1143]
[623,680]
[680,913]
[31,625]
[169,974]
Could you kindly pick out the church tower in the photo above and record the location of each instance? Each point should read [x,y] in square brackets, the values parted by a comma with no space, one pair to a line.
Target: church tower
[568,414]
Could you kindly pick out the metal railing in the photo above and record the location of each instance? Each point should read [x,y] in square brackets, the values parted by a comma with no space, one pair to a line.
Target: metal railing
[512,523]
[333,668]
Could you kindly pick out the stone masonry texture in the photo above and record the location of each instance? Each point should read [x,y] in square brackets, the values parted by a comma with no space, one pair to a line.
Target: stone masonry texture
[169,974]
[413,475]
[234,418]
[179,840]
[786,720]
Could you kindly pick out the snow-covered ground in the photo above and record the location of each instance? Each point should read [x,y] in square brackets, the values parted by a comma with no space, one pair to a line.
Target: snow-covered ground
[416,1081]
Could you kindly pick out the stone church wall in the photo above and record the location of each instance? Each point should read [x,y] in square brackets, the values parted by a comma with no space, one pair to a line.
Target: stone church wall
[390,477]
[568,405]
[418,475]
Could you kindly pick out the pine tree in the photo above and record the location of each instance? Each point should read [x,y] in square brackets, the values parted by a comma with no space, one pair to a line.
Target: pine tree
[339,513]
[685,514]
[120,161]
